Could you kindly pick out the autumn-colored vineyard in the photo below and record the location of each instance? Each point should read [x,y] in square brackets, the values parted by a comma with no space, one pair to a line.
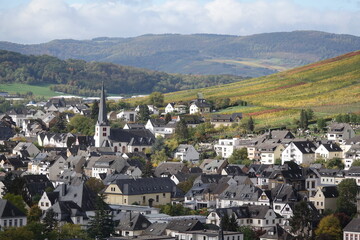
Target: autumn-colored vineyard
[328,87]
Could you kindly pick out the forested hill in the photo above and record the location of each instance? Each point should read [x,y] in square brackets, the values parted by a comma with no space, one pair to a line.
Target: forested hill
[84,78]
[254,55]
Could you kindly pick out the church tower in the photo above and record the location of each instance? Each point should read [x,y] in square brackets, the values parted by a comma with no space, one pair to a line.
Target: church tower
[102,127]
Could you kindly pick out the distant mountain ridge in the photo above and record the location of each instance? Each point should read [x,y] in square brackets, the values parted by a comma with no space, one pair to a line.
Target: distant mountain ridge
[254,55]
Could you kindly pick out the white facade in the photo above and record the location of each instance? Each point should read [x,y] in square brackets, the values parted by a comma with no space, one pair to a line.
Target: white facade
[292,153]
[169,108]
[225,147]
[127,116]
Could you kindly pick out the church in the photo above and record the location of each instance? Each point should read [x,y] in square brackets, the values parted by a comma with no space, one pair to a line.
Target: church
[120,140]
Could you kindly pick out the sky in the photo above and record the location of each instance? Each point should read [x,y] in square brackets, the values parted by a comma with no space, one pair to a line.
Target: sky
[38,21]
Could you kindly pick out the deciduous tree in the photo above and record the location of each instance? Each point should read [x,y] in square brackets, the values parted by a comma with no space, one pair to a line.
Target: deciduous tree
[346,202]
[329,226]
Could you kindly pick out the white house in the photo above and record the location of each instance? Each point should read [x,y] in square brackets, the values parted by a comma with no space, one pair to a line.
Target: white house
[127,116]
[186,152]
[225,147]
[170,107]
[301,152]
[199,106]
[328,151]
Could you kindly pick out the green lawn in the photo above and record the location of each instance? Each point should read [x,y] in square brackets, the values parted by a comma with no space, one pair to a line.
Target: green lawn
[37,90]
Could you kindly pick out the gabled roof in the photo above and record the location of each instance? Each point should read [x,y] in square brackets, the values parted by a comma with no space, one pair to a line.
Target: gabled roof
[353,226]
[242,192]
[134,137]
[68,209]
[277,232]
[330,191]
[332,147]
[170,168]
[306,147]
[8,210]
[183,225]
[145,186]
[133,222]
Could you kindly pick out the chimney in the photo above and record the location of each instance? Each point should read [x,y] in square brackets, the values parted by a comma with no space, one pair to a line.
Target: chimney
[126,188]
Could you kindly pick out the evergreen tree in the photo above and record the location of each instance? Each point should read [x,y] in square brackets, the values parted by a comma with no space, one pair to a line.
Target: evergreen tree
[304,122]
[181,130]
[50,221]
[302,220]
[147,170]
[250,126]
[143,114]
[60,124]
[102,224]
[168,117]
[346,202]
[321,124]
[94,110]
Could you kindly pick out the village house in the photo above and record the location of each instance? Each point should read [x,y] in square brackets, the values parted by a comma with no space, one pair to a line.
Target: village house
[226,120]
[143,191]
[301,152]
[328,151]
[127,115]
[339,132]
[325,198]
[11,216]
[187,153]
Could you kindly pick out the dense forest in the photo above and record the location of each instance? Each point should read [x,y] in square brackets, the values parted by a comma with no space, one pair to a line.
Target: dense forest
[84,78]
[254,55]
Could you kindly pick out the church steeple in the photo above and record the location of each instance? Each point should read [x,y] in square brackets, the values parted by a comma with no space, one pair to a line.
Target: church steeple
[102,127]
[102,117]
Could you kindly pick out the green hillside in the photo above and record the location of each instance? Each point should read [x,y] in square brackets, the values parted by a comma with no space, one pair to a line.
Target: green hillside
[328,87]
[254,55]
[84,78]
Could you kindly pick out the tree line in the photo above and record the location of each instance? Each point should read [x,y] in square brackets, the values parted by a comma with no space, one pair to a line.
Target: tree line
[84,78]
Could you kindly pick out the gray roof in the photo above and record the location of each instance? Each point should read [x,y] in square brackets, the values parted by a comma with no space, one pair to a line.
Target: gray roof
[242,192]
[353,226]
[145,185]
[133,222]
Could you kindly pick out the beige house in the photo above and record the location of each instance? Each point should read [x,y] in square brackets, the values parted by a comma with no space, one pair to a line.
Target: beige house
[328,151]
[269,152]
[144,191]
[325,198]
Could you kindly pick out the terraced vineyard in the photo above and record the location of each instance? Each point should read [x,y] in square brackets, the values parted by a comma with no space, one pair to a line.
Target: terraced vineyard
[328,87]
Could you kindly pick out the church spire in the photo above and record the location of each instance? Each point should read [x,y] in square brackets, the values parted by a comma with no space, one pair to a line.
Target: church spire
[102,117]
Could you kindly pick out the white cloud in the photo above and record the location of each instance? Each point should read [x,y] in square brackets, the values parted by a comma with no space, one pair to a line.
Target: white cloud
[44,20]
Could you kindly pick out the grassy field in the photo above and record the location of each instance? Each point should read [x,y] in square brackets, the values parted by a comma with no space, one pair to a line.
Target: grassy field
[37,90]
[328,87]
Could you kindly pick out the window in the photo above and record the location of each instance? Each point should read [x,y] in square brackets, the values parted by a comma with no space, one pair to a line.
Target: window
[5,223]
[42,204]
[104,129]
[104,134]
[10,222]
[47,204]
[164,195]
[157,198]
[124,200]
[20,222]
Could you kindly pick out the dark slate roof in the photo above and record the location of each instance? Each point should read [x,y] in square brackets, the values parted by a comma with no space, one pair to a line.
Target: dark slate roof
[330,191]
[277,232]
[306,147]
[155,229]
[6,131]
[332,147]
[8,210]
[53,197]
[134,137]
[233,170]
[353,226]
[80,194]
[68,209]
[183,225]
[170,168]
[145,185]
[133,222]
[158,122]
